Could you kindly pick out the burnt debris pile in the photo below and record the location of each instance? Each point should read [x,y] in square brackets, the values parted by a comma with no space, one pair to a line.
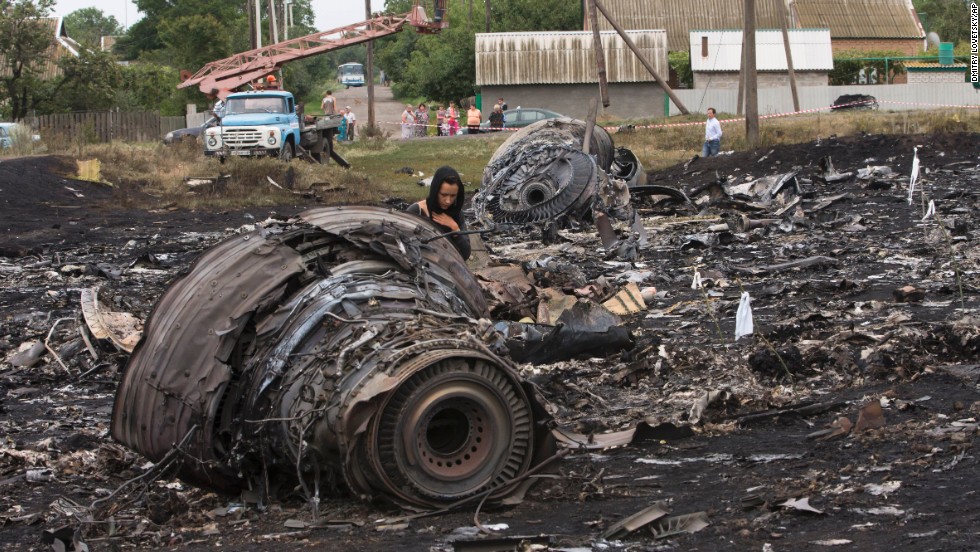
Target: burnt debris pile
[331,348]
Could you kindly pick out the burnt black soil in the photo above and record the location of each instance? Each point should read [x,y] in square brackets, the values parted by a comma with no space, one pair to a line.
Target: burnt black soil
[844,342]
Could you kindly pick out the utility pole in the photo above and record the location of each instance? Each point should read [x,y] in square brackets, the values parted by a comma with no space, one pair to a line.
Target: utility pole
[741,81]
[486,4]
[369,70]
[287,18]
[789,56]
[639,55]
[751,77]
[273,25]
[255,23]
[600,55]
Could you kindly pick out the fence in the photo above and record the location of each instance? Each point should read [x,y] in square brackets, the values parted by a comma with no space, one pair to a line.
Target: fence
[172,123]
[105,126]
[780,100]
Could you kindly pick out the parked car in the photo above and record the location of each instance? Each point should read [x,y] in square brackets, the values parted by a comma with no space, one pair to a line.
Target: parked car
[190,133]
[10,133]
[522,117]
[5,141]
[854,101]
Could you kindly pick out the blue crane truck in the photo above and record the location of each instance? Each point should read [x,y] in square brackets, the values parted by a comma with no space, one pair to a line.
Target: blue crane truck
[269,123]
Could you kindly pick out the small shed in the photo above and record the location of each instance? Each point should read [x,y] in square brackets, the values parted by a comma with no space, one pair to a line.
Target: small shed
[936,73]
[557,71]
[716,57]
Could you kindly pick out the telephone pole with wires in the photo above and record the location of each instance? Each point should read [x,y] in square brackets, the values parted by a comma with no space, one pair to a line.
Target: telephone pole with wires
[751,78]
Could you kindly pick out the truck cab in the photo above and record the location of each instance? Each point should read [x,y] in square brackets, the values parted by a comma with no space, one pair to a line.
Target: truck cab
[255,123]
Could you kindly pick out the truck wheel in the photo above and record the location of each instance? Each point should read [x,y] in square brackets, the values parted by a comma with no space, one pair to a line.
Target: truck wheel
[286,155]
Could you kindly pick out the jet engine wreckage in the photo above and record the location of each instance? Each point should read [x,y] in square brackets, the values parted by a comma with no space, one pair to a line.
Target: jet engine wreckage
[544,173]
[339,349]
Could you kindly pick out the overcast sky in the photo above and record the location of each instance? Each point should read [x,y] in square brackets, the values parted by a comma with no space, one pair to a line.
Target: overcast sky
[329,14]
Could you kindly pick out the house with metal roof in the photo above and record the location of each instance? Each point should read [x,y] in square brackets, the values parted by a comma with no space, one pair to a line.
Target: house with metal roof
[854,24]
[61,46]
[557,71]
[716,57]
[864,25]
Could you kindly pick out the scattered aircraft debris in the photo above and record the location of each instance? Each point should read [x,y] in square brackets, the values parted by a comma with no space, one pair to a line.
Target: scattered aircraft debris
[822,261]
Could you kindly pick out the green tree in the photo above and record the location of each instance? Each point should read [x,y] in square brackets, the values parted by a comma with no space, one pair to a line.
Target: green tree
[87,82]
[145,34]
[533,15]
[24,39]
[193,41]
[149,86]
[950,19]
[88,25]
[680,64]
[442,66]
[849,63]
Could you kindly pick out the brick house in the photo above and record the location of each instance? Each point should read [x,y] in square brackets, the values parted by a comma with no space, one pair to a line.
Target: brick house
[61,46]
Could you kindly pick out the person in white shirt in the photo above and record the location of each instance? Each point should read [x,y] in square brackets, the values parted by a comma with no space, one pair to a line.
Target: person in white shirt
[408,122]
[712,135]
[351,119]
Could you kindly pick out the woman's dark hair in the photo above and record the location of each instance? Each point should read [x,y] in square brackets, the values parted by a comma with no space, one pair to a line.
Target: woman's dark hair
[445,175]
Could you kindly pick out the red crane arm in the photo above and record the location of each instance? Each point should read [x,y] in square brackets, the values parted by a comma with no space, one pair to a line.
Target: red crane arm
[220,77]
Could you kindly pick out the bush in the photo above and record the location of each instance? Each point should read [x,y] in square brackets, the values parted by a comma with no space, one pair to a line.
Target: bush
[848,66]
[680,64]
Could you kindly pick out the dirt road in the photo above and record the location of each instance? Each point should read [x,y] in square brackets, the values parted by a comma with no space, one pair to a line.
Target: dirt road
[387,111]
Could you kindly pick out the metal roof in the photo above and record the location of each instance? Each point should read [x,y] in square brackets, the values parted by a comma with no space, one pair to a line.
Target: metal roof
[810,47]
[861,18]
[844,18]
[919,66]
[565,57]
[677,18]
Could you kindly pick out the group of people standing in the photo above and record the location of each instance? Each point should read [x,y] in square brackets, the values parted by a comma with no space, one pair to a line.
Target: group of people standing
[415,120]
[329,107]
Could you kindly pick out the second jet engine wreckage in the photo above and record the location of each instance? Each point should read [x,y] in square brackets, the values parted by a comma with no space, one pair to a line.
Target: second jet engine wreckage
[550,173]
[340,349]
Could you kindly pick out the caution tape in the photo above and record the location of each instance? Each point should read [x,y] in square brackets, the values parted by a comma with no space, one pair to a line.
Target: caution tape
[727,121]
[931,104]
[791,113]
[482,129]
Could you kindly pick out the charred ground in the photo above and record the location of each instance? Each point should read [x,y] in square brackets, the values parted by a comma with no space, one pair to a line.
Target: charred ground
[844,335]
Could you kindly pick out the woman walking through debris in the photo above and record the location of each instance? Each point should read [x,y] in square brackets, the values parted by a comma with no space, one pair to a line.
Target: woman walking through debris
[444,207]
